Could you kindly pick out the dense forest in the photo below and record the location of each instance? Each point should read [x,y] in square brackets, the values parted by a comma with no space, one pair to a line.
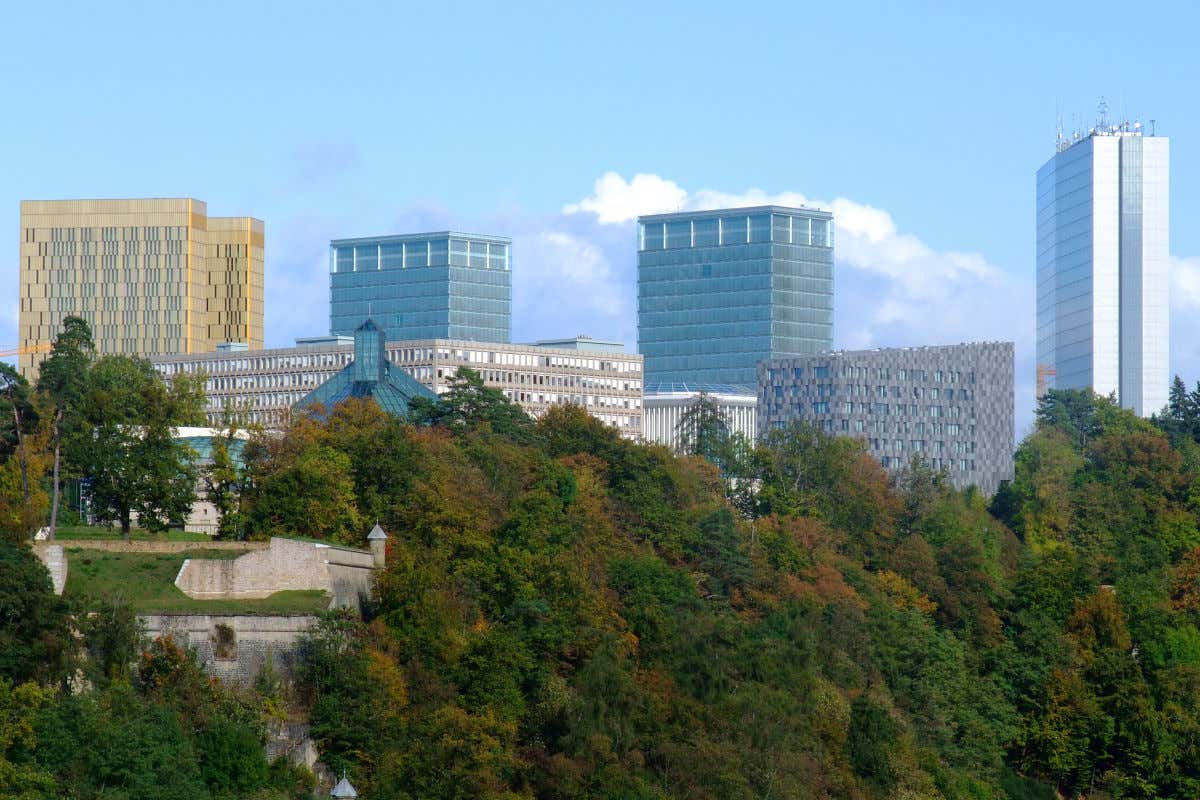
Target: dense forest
[566,614]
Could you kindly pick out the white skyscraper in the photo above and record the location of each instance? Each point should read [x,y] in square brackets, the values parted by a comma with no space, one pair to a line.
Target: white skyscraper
[1102,266]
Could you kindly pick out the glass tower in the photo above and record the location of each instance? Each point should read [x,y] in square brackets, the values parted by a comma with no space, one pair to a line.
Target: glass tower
[719,291]
[1102,267]
[423,286]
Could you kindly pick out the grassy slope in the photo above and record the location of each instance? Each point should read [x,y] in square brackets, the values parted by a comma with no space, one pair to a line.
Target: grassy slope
[147,581]
[83,532]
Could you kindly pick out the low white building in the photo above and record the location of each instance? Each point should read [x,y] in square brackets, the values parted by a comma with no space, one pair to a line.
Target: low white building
[261,386]
[665,404]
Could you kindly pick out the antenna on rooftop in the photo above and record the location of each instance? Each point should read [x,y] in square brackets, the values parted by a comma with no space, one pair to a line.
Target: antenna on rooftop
[1102,113]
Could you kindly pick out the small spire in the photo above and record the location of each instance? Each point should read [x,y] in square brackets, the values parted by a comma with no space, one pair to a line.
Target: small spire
[376,533]
[343,788]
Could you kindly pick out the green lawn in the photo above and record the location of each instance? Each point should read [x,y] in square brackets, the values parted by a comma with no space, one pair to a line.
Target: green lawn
[77,532]
[147,581]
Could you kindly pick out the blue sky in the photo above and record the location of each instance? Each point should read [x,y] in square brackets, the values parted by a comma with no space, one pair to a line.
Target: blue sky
[920,124]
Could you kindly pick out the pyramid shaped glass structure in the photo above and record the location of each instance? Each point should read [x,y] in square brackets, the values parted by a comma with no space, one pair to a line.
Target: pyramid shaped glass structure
[369,375]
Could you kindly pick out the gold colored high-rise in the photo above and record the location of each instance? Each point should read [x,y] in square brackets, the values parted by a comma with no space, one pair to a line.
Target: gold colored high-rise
[152,276]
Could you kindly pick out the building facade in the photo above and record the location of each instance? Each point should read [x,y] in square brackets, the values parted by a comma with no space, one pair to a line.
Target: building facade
[665,404]
[423,286]
[1102,266]
[262,386]
[952,405]
[719,291]
[151,276]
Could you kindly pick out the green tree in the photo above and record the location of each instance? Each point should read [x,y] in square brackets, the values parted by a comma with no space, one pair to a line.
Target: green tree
[19,706]
[35,636]
[113,637]
[224,481]
[872,736]
[62,382]
[126,443]
[703,429]
[313,495]
[470,403]
[20,421]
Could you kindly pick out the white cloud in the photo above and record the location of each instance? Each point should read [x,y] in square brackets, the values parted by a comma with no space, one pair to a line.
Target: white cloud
[618,200]
[565,284]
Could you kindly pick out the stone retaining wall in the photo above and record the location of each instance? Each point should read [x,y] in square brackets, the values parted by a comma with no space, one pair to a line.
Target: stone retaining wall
[287,564]
[235,647]
[56,563]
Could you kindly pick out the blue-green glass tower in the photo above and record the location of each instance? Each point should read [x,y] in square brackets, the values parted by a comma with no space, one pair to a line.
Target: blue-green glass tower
[719,291]
[423,286]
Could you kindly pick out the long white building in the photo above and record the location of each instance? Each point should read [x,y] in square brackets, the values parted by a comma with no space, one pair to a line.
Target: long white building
[261,386]
[1102,266]
[665,404]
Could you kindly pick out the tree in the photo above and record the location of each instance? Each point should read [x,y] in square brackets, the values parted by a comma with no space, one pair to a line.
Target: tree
[16,405]
[62,382]
[19,514]
[703,429]
[311,496]
[35,636]
[112,637]
[469,403]
[126,445]
[224,482]
[18,708]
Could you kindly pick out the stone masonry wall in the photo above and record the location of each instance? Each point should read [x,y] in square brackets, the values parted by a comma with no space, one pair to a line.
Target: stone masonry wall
[287,564]
[56,564]
[234,648]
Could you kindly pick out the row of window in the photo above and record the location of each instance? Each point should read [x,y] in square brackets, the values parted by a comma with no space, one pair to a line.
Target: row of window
[410,355]
[415,254]
[537,379]
[879,373]
[877,409]
[882,392]
[113,234]
[735,230]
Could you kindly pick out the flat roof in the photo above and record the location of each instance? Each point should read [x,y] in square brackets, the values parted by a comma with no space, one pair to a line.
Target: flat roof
[721,212]
[412,237]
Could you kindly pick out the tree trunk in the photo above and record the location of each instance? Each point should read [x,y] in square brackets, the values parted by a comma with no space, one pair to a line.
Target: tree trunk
[57,452]
[125,524]
[21,455]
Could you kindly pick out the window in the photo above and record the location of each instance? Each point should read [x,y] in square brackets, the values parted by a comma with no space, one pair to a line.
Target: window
[821,372]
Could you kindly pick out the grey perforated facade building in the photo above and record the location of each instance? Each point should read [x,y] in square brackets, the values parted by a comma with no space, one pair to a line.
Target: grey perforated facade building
[951,404]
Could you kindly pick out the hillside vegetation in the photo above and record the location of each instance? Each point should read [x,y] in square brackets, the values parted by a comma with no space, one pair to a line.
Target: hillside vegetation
[566,614]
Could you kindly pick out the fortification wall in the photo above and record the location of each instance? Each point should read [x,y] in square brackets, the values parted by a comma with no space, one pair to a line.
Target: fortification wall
[56,563]
[235,647]
[286,564]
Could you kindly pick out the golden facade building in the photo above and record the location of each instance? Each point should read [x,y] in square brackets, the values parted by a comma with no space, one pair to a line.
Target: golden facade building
[151,276]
